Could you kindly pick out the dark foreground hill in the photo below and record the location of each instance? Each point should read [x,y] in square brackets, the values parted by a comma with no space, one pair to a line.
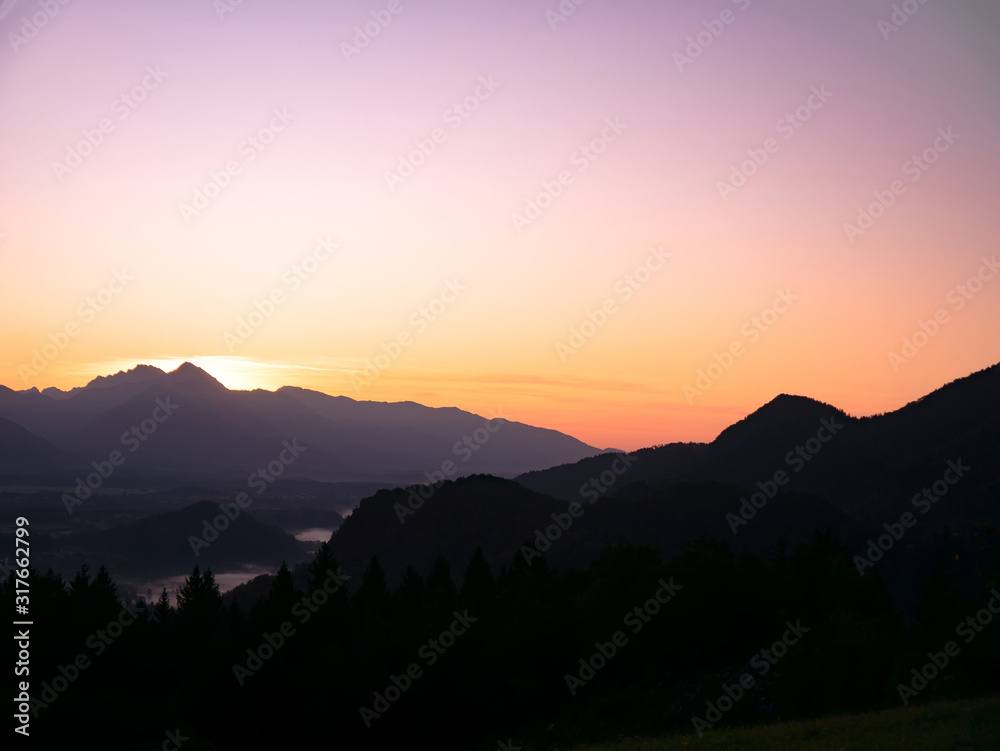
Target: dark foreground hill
[507,520]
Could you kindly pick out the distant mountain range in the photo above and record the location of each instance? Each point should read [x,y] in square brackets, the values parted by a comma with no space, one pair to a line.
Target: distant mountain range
[218,433]
[793,468]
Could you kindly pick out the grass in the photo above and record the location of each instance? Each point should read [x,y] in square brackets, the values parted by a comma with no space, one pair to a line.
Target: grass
[973,724]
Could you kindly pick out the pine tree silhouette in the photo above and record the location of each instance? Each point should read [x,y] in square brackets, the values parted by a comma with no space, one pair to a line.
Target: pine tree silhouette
[478,587]
[163,611]
[374,591]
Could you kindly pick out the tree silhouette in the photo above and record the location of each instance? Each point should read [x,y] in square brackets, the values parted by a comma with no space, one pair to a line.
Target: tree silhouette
[478,587]
[374,591]
[321,566]
[198,599]
[440,585]
[163,611]
[411,592]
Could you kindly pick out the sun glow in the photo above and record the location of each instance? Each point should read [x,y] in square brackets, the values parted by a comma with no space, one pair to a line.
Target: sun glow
[234,373]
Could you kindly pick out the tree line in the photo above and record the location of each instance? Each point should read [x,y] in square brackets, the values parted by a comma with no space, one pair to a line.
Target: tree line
[630,645]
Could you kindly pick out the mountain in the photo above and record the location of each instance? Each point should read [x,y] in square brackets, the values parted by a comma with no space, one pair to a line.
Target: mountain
[515,444]
[160,544]
[21,451]
[138,374]
[187,424]
[791,469]
[865,465]
[501,516]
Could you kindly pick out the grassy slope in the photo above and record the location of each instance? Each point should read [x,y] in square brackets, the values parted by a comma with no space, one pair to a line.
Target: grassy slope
[948,725]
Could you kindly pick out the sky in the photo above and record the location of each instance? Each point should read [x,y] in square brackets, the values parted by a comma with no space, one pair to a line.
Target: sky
[633,222]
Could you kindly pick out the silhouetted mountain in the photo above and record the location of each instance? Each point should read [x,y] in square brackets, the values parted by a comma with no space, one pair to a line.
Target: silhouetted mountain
[21,451]
[500,516]
[865,466]
[481,510]
[764,438]
[215,432]
[138,374]
[160,544]
[107,391]
[515,444]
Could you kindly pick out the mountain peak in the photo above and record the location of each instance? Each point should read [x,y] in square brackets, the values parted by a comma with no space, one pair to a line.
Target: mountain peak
[786,415]
[790,402]
[189,374]
[138,374]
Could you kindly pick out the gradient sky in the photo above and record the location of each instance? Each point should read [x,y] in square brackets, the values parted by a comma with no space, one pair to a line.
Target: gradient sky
[656,185]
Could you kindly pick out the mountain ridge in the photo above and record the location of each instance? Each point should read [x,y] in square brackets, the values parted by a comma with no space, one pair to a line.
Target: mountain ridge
[226,432]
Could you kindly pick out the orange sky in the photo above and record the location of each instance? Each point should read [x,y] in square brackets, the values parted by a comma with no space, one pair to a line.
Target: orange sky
[592,119]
